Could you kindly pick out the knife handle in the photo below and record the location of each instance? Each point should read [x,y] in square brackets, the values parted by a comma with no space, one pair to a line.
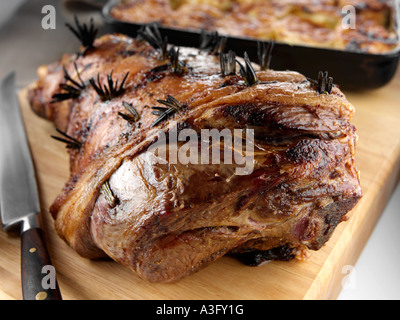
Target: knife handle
[37,274]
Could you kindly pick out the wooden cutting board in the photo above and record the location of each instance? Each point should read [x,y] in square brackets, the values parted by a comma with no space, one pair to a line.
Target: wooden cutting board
[320,277]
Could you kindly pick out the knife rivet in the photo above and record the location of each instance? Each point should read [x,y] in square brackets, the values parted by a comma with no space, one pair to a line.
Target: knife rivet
[31,250]
[41,295]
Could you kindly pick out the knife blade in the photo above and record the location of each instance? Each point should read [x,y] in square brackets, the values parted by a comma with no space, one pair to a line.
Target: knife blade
[19,199]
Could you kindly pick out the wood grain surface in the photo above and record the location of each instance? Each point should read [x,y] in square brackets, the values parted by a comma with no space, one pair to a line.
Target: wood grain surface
[320,277]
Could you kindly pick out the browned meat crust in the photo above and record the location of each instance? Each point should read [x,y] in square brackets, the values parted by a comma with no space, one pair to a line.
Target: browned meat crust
[169,220]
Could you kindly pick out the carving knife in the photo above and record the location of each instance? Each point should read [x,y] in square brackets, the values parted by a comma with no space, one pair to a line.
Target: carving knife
[19,200]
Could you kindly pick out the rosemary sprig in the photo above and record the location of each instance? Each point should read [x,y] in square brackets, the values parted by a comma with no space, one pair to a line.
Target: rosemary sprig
[152,35]
[105,190]
[85,34]
[176,65]
[69,91]
[247,72]
[70,142]
[324,84]
[112,90]
[133,115]
[212,42]
[264,50]
[219,46]
[163,113]
[227,62]
[207,39]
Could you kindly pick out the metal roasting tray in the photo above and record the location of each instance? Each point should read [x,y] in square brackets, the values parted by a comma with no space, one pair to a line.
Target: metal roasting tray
[350,70]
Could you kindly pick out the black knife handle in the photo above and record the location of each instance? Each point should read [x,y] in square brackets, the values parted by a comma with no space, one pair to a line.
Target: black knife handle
[37,273]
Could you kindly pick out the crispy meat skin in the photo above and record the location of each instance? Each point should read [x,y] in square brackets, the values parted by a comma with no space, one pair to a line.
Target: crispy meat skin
[173,219]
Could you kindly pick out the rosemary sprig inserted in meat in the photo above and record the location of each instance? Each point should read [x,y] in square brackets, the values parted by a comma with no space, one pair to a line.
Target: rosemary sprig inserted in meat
[212,42]
[323,84]
[227,62]
[173,106]
[152,35]
[105,190]
[247,72]
[133,115]
[70,142]
[175,65]
[208,39]
[85,34]
[69,91]
[112,90]
[264,50]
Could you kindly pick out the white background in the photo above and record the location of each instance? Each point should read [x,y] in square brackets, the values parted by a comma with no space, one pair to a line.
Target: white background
[376,274]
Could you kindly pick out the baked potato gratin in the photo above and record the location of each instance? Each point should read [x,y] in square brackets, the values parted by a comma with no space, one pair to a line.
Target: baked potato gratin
[318,23]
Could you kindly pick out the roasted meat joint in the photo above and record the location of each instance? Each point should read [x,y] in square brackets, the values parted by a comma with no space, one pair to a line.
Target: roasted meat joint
[179,156]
